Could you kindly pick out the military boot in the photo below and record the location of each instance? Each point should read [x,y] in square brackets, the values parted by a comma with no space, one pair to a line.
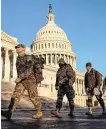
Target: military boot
[71,114]
[103,106]
[8,113]
[89,111]
[38,115]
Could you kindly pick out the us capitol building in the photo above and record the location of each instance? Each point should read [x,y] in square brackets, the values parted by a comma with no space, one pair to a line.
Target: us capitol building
[51,43]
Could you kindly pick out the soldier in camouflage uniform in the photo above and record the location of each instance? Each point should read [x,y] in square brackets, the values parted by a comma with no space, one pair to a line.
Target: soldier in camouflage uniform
[25,81]
[64,84]
[93,81]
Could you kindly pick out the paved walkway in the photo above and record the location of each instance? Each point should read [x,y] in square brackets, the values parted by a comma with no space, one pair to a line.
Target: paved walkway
[22,120]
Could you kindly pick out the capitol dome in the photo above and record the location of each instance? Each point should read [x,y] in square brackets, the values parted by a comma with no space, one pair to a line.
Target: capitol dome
[52,43]
[51,31]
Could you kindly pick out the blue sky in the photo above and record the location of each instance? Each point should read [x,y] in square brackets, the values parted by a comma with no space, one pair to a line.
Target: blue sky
[84,22]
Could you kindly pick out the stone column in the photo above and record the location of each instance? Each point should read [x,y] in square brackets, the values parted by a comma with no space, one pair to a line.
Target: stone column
[51,59]
[7,67]
[76,86]
[75,62]
[55,60]
[68,59]
[71,60]
[46,59]
[83,89]
[1,66]
[14,65]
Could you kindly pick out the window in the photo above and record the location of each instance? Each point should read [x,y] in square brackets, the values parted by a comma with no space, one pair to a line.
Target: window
[45,45]
[53,59]
[39,46]
[51,87]
[49,59]
[42,46]
[62,45]
[56,45]
[53,45]
[59,45]
[48,45]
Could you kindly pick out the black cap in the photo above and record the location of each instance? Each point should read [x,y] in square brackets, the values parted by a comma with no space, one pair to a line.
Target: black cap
[20,45]
[88,64]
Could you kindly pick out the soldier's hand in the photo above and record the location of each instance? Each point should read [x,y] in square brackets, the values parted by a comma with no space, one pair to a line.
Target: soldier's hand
[17,80]
[56,87]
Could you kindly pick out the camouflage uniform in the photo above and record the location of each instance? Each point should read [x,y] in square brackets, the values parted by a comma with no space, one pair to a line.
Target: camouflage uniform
[104,85]
[64,84]
[25,72]
[93,79]
[26,80]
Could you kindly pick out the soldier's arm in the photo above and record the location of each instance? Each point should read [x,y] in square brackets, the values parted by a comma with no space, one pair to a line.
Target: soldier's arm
[98,78]
[104,84]
[56,83]
[85,81]
[29,69]
[69,75]
[69,72]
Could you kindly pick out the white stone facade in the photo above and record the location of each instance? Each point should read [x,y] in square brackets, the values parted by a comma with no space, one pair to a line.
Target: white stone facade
[51,43]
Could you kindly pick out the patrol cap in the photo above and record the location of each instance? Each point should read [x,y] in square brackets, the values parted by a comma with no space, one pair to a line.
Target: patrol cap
[88,64]
[61,61]
[20,45]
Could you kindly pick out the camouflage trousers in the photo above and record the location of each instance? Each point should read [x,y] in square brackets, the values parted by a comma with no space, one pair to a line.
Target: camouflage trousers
[98,97]
[69,92]
[31,87]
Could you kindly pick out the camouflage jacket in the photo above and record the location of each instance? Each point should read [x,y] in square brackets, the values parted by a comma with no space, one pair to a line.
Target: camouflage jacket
[64,75]
[104,83]
[24,65]
[93,79]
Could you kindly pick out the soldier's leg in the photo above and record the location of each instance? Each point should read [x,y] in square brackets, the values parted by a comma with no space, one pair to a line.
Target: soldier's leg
[100,100]
[70,95]
[90,96]
[33,95]
[60,96]
[18,92]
